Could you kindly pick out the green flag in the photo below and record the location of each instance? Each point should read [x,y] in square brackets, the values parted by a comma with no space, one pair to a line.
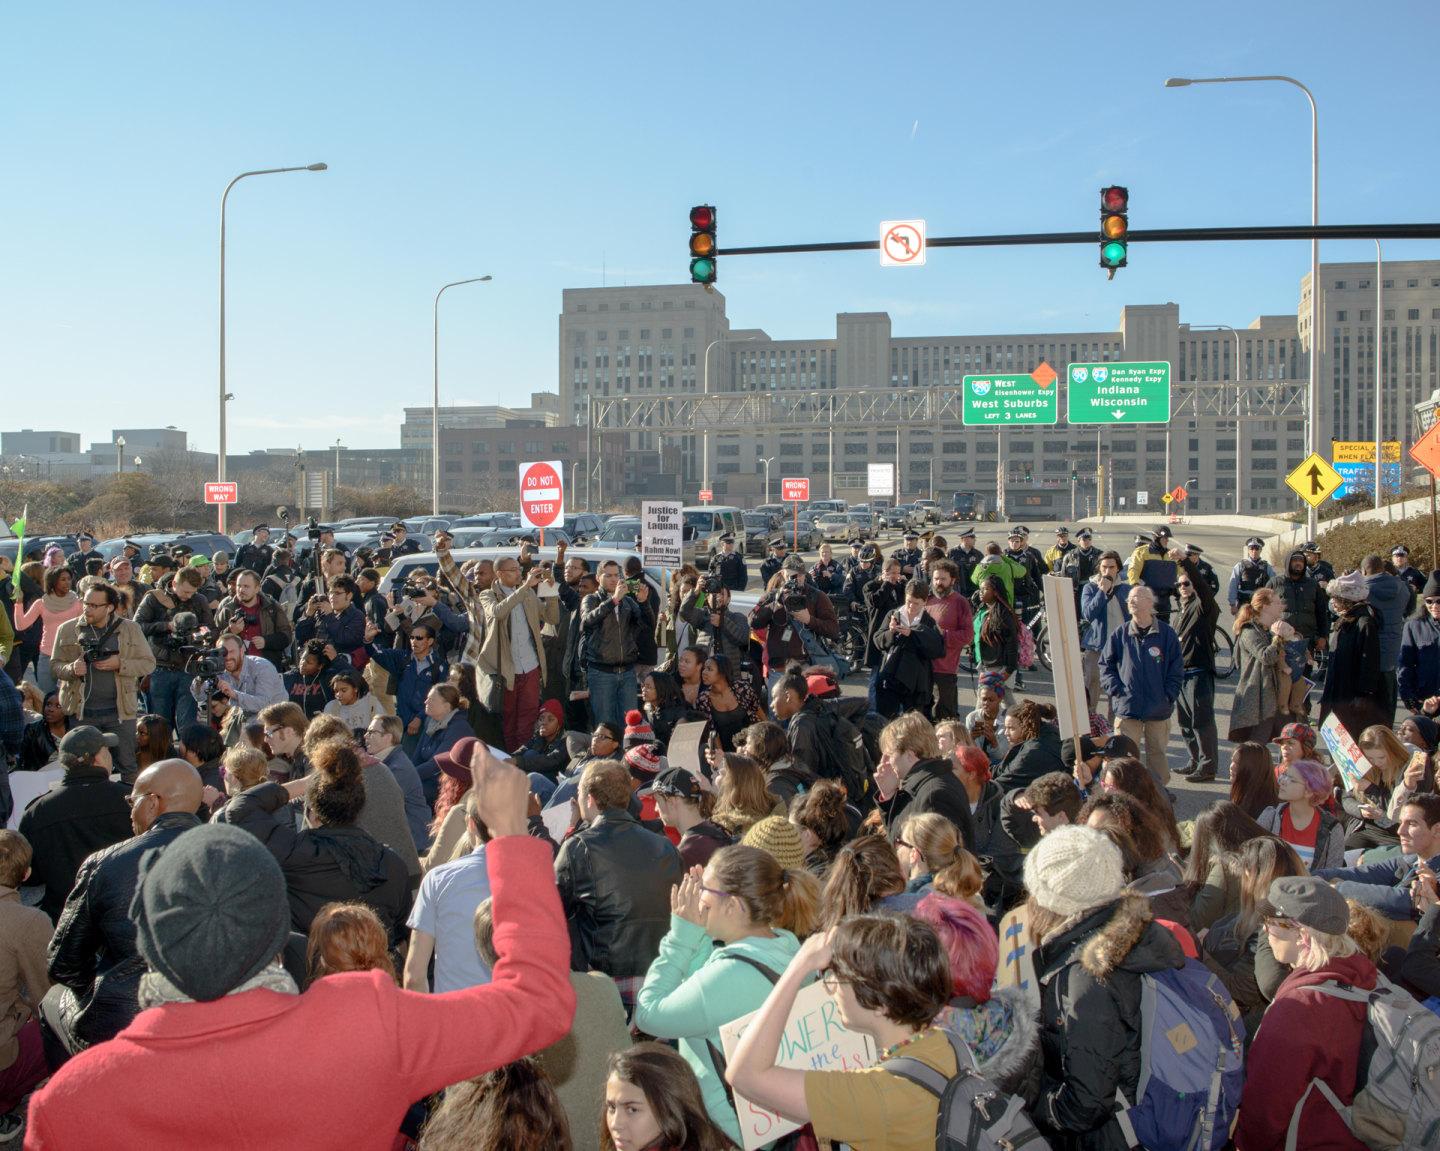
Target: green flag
[18,527]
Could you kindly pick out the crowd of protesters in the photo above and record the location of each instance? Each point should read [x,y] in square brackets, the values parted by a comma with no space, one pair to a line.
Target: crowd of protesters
[328,868]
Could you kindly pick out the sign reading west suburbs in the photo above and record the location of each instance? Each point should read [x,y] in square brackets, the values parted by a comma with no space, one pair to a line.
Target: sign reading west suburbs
[1314,481]
[542,497]
[1012,399]
[902,243]
[1119,393]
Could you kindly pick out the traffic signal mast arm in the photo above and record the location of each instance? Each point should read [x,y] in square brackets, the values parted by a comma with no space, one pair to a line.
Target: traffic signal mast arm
[1140,236]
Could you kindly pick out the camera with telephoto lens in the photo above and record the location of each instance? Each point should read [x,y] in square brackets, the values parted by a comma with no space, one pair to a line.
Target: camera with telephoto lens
[794,601]
[709,584]
[312,529]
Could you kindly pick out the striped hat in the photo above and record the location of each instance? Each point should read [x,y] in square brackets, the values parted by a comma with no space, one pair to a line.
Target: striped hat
[778,836]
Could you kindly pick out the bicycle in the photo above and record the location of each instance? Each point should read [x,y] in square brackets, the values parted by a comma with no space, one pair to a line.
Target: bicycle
[1225,662]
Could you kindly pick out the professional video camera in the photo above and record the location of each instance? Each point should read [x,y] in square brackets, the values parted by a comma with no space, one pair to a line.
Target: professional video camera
[192,641]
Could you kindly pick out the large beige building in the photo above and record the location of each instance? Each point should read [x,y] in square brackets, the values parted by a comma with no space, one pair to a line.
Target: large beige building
[642,342]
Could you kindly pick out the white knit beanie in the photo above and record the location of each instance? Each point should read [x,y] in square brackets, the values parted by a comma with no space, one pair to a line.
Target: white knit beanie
[1073,869]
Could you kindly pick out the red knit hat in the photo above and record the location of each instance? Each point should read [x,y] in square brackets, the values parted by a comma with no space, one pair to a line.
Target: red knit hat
[637,731]
[554,708]
[645,761]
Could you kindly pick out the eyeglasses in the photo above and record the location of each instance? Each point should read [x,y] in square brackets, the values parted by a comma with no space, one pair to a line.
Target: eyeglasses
[831,981]
[1183,583]
[1281,923]
[272,732]
[902,843]
[101,604]
[716,892]
[135,797]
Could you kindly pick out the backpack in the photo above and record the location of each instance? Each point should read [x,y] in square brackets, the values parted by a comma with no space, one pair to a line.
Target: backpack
[868,722]
[821,655]
[1192,1062]
[1399,1105]
[974,1114]
[843,757]
[1025,641]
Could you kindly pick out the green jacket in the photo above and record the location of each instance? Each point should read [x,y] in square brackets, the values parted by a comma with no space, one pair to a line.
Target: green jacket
[693,988]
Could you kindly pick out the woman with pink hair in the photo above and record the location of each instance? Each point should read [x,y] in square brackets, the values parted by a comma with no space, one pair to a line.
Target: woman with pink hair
[1300,818]
[997,1025]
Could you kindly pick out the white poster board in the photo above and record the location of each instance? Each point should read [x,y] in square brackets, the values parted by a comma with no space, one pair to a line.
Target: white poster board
[880,479]
[662,529]
[1062,629]
[1345,753]
[814,1040]
[26,786]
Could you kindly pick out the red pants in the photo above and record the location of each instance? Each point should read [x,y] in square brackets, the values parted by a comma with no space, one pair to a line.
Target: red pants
[520,709]
[20,1078]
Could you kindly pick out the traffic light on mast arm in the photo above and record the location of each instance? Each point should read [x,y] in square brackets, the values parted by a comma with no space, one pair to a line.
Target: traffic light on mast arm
[1114,227]
[703,269]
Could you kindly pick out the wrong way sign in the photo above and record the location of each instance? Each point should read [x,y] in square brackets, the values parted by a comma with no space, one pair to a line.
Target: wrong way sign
[902,243]
[222,493]
[542,494]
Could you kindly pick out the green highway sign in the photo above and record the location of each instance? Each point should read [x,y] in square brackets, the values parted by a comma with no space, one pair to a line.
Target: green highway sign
[1119,393]
[1012,398]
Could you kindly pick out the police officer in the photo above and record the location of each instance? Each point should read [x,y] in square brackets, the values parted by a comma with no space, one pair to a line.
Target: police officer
[729,566]
[866,572]
[910,555]
[1080,563]
[1400,557]
[1319,568]
[852,561]
[967,558]
[1055,556]
[1027,592]
[1250,574]
[778,551]
[402,546]
[1193,552]
[77,560]
[257,554]
[1150,566]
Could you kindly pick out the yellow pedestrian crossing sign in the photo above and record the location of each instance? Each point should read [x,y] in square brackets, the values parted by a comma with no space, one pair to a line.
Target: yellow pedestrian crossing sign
[1315,481]
[1167,497]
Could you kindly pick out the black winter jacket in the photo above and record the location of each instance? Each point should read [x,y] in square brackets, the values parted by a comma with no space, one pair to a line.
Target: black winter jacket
[1307,608]
[1195,622]
[84,813]
[931,785]
[547,759]
[615,879]
[1026,762]
[154,614]
[1090,989]
[881,598]
[1353,677]
[93,952]
[1000,856]
[907,668]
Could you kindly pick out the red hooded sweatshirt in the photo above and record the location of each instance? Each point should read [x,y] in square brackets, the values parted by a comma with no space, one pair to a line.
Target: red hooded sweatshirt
[1305,1035]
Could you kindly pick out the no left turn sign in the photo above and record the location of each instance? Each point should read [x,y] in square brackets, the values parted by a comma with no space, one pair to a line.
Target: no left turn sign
[902,243]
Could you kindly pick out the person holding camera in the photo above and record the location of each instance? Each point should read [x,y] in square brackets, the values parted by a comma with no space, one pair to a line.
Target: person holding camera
[248,682]
[335,619]
[98,661]
[794,605]
[332,565]
[611,620]
[707,610]
[156,616]
[258,620]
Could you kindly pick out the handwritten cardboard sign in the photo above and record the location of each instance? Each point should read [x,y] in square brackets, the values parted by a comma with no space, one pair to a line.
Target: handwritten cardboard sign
[1345,753]
[814,1040]
[1017,956]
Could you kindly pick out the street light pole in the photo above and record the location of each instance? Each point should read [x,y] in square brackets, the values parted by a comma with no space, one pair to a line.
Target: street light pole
[435,408]
[767,464]
[337,464]
[224,395]
[1313,398]
[119,457]
[705,372]
[1379,378]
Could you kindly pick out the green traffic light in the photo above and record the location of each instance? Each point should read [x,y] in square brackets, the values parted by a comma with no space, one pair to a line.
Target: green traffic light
[702,270]
[1112,255]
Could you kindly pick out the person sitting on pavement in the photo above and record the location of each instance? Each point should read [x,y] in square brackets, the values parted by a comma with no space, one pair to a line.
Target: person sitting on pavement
[1386,886]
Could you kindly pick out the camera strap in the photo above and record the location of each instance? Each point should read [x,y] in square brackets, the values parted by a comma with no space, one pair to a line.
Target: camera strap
[105,635]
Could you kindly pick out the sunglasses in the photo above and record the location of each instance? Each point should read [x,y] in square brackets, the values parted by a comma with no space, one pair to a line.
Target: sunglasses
[1281,923]
[1432,599]
[1183,583]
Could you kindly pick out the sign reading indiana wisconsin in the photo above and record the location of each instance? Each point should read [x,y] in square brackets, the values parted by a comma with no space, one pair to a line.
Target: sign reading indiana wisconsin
[1012,399]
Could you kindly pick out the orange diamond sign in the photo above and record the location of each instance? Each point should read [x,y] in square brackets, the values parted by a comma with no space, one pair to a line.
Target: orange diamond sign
[1179,493]
[1044,375]
[1426,451]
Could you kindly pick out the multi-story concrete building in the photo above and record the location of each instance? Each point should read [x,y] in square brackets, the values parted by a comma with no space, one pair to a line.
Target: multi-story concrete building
[640,342]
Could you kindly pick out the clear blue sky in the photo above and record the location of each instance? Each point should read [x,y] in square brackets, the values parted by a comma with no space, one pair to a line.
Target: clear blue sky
[534,143]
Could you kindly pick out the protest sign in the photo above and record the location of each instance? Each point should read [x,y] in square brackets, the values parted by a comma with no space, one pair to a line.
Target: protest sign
[814,1040]
[1345,753]
[662,525]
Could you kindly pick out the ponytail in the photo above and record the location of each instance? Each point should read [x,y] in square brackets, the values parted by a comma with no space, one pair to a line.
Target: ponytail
[865,871]
[799,903]
[963,878]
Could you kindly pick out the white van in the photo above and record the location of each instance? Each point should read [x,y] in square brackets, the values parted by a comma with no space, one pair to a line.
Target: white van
[704,524]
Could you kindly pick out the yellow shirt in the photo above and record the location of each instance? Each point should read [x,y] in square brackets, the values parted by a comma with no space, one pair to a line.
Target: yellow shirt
[873,1110]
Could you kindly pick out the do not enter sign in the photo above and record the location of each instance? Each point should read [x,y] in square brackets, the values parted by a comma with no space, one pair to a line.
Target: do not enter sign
[542,497]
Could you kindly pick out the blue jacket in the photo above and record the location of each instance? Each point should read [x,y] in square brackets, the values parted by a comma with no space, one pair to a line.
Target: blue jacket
[413,686]
[1392,598]
[1418,674]
[432,745]
[1143,674]
[417,811]
[1094,605]
[1382,886]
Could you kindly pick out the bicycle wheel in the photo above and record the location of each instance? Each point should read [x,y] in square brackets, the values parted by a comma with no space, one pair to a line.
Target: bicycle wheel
[851,644]
[1042,647]
[1224,653]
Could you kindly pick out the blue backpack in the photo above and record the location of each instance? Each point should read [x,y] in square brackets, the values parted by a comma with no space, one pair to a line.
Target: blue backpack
[1192,1062]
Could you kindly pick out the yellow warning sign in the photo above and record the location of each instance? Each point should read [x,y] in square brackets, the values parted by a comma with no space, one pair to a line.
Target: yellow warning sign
[1314,481]
[1167,498]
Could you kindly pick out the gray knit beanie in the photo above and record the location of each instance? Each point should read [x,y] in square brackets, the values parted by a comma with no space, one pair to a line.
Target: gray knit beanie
[1073,869]
[210,911]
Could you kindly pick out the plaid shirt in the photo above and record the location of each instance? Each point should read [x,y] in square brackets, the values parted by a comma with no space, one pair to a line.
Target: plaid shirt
[474,606]
[12,714]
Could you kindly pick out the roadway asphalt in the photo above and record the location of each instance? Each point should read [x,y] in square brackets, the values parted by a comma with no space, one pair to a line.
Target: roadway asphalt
[1223,548]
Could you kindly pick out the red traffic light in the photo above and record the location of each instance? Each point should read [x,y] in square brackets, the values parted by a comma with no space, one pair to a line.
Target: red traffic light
[702,219]
[1114,199]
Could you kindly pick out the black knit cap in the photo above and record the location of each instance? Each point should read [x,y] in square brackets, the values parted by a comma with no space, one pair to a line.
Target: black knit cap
[210,911]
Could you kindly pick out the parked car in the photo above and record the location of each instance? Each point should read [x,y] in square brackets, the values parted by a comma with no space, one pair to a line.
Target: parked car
[619,531]
[706,523]
[427,526]
[200,543]
[760,529]
[868,522]
[808,539]
[488,520]
[582,525]
[779,511]
[823,507]
[896,517]
[838,526]
[67,544]
[499,537]
[930,509]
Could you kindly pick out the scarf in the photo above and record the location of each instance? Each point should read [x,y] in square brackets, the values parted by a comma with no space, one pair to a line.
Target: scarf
[59,604]
[435,726]
[156,990]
